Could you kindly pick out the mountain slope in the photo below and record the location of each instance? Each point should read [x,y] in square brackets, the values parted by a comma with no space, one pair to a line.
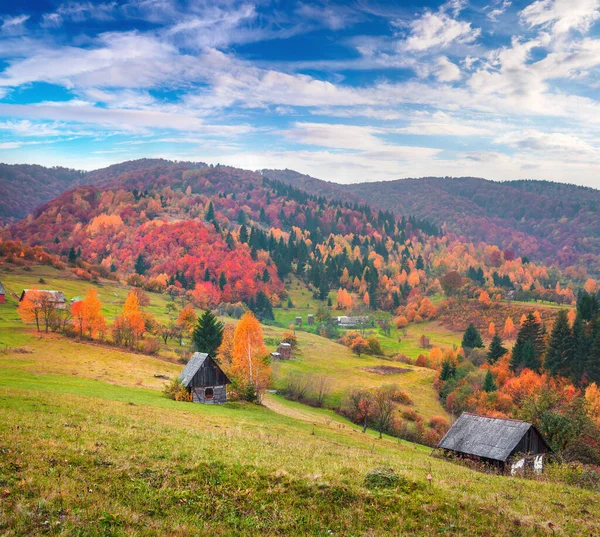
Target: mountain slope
[539,219]
[25,187]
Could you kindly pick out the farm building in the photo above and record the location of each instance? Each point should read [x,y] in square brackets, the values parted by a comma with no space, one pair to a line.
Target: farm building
[504,443]
[2,293]
[57,297]
[283,352]
[351,322]
[205,379]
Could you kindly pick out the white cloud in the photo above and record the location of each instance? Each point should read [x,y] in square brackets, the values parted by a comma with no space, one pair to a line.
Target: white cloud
[79,12]
[562,16]
[446,71]
[438,30]
[13,25]
[495,13]
[548,142]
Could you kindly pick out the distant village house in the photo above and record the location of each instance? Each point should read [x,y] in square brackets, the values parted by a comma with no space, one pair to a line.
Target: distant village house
[283,352]
[56,297]
[504,443]
[2,293]
[205,380]
[351,322]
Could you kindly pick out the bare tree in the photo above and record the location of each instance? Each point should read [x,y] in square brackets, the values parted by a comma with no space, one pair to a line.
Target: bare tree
[383,408]
[322,387]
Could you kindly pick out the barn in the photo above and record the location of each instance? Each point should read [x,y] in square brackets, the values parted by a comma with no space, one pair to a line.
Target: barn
[2,293]
[205,380]
[504,443]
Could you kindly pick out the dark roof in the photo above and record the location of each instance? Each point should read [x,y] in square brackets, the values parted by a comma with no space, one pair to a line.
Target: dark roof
[192,367]
[491,438]
[2,290]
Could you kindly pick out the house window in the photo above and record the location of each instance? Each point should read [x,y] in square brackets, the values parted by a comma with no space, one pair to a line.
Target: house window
[208,393]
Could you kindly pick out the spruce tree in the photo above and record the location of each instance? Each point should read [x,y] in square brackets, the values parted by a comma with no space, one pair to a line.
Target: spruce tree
[72,256]
[210,212]
[497,350]
[140,265]
[208,333]
[243,234]
[576,367]
[222,281]
[531,332]
[489,384]
[560,348]
[472,338]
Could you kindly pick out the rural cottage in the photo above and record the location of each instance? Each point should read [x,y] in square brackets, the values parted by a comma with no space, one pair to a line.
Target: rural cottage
[205,379]
[504,443]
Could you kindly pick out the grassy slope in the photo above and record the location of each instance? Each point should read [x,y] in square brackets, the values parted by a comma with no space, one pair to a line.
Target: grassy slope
[82,456]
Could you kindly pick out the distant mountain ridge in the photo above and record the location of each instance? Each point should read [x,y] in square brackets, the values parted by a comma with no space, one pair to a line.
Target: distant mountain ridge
[553,222]
[543,220]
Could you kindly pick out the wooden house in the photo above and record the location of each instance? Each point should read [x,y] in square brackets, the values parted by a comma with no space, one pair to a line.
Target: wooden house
[504,443]
[2,294]
[56,297]
[205,380]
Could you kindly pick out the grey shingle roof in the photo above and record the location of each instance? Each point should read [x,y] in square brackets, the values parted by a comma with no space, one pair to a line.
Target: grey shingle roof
[58,296]
[192,367]
[492,438]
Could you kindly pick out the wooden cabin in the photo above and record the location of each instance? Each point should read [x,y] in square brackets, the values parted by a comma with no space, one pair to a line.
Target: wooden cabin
[205,380]
[56,297]
[2,294]
[504,443]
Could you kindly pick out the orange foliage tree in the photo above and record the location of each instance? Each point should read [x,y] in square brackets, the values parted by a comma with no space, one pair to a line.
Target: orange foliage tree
[225,350]
[187,318]
[509,327]
[37,307]
[87,315]
[492,329]
[250,367]
[484,298]
[129,326]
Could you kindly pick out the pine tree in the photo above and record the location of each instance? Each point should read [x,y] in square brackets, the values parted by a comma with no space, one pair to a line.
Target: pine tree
[140,265]
[208,333]
[210,212]
[72,256]
[576,367]
[243,234]
[497,350]
[472,338]
[560,350]
[222,281]
[489,384]
[528,356]
[323,287]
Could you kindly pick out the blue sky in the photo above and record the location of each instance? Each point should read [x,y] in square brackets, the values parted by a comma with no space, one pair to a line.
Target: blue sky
[345,91]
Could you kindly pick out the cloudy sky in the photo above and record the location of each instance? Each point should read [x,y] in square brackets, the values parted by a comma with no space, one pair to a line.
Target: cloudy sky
[346,91]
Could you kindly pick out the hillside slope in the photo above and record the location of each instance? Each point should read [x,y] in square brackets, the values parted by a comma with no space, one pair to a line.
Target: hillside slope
[539,219]
[119,459]
[25,187]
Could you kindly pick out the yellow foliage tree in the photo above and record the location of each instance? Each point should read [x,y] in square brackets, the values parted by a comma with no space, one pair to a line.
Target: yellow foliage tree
[249,362]
[484,298]
[129,326]
[225,351]
[509,327]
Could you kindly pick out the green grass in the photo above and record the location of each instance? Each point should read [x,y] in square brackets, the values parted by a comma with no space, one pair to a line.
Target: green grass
[112,294]
[87,456]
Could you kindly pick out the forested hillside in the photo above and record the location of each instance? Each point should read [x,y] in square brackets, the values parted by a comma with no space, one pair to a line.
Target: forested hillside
[222,234]
[25,187]
[546,221]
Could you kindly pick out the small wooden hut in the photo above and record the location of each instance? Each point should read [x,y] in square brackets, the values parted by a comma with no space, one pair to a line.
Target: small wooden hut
[2,294]
[298,321]
[504,443]
[311,319]
[205,379]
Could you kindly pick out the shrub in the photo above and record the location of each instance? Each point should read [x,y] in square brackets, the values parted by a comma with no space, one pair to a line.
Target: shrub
[291,338]
[401,322]
[176,391]
[398,395]
[381,477]
[422,361]
[410,415]
[439,424]
[374,346]
[431,438]
[150,346]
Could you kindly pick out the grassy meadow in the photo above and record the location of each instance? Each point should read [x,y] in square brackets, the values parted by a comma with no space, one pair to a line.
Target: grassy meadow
[90,446]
